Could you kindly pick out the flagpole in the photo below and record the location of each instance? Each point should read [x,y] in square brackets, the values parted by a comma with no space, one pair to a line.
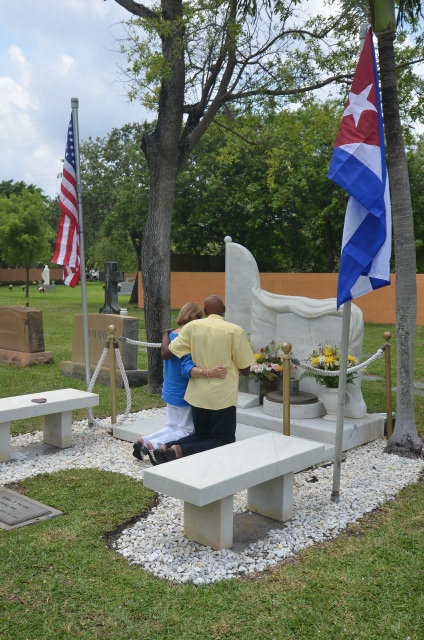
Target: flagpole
[335,494]
[74,105]
[344,347]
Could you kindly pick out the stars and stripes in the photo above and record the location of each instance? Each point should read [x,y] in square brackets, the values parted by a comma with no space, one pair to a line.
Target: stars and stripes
[67,251]
[358,165]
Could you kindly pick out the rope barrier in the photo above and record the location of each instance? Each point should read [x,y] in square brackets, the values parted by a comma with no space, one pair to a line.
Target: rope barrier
[326,372]
[140,344]
[124,416]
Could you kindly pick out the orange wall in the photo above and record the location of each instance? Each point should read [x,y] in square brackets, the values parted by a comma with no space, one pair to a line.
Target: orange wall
[377,307]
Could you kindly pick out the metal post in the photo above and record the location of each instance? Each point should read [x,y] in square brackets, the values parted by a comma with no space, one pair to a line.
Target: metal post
[74,105]
[112,361]
[335,495]
[387,335]
[286,347]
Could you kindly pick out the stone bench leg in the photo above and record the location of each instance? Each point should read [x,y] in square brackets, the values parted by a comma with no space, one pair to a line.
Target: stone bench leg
[211,525]
[58,429]
[4,441]
[273,499]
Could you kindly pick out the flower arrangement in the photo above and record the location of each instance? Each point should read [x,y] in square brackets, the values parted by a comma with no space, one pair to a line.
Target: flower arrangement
[327,358]
[268,365]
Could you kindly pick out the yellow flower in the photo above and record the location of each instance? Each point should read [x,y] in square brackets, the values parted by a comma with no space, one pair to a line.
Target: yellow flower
[352,359]
[328,351]
[329,359]
[315,361]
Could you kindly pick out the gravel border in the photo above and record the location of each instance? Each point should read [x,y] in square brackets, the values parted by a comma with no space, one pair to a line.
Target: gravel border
[156,542]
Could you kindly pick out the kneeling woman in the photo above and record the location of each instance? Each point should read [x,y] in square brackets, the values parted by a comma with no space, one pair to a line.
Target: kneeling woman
[176,374]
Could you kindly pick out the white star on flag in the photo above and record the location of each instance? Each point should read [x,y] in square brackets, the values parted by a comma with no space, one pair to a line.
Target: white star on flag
[358,102]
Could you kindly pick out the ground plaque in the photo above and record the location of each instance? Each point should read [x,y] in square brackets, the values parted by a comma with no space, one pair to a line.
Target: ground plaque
[17,510]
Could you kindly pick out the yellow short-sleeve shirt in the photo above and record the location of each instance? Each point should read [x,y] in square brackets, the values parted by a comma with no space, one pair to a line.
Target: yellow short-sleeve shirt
[212,341]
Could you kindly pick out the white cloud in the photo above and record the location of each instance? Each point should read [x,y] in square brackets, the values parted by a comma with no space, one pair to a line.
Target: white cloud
[64,65]
[51,51]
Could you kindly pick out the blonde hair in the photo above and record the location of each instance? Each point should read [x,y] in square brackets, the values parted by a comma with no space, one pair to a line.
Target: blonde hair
[189,311]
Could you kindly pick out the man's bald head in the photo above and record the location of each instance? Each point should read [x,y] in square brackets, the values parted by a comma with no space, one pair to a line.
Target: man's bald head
[214,304]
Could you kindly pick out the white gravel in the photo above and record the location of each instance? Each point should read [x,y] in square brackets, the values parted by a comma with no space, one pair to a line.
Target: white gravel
[368,479]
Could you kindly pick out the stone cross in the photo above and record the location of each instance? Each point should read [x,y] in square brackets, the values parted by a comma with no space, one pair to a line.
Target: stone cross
[111,277]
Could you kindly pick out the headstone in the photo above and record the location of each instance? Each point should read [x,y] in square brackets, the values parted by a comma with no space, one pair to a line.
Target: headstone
[17,510]
[111,277]
[305,323]
[22,336]
[98,331]
[125,288]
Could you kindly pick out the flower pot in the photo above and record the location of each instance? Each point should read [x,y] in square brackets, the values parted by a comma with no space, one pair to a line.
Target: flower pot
[329,397]
[267,387]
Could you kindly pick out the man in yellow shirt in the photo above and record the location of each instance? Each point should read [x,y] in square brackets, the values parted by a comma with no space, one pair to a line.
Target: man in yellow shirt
[211,341]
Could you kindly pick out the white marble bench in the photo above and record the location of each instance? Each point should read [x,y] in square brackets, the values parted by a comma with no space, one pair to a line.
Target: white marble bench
[57,412]
[206,482]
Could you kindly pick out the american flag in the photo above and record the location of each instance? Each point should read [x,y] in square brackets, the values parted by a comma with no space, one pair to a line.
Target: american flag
[67,251]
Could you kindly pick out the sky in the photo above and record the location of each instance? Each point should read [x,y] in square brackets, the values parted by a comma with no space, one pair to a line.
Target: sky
[52,51]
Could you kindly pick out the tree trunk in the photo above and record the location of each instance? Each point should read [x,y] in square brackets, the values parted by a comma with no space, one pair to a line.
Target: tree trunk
[405,440]
[137,243]
[161,151]
[155,261]
[27,283]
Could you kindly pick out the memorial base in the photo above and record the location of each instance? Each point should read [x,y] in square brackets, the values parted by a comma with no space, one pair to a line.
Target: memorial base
[75,370]
[24,359]
[356,431]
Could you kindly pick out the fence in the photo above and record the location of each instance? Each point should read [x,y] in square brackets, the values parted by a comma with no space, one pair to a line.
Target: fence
[377,307]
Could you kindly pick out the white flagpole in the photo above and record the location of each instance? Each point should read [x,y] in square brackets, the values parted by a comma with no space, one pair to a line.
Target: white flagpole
[335,494]
[74,105]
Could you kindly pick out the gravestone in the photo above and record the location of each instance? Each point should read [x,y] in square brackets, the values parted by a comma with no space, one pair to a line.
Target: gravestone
[98,331]
[111,277]
[22,336]
[17,510]
[125,288]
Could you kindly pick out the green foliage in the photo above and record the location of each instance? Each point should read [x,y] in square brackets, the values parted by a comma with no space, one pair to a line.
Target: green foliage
[262,178]
[416,181]
[24,234]
[9,187]
[115,196]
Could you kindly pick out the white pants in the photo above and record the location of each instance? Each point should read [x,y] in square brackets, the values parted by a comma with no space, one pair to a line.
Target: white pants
[179,424]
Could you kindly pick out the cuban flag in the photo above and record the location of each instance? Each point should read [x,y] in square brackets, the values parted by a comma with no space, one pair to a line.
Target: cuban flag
[358,165]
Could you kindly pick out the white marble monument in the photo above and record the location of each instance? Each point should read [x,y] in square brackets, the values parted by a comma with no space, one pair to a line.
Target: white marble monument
[304,322]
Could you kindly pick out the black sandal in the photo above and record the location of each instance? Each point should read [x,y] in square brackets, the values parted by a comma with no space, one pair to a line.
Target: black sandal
[137,448]
[170,454]
[159,456]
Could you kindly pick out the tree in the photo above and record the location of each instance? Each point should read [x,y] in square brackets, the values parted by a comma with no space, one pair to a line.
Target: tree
[24,234]
[210,54]
[262,178]
[115,196]
[405,440]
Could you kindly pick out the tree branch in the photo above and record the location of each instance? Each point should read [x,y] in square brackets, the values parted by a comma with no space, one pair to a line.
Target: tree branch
[137,9]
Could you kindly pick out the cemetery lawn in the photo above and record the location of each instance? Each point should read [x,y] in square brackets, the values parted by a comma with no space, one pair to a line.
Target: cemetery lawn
[59,309]
[61,581]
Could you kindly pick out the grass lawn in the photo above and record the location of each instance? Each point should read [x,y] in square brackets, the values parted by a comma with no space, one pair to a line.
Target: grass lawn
[59,579]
